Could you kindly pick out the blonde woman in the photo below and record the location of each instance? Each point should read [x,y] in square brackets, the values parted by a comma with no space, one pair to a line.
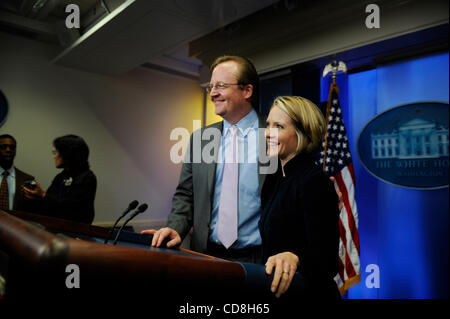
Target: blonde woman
[300,221]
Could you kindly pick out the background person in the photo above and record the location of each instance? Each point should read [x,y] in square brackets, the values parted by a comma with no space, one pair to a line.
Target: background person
[71,194]
[12,179]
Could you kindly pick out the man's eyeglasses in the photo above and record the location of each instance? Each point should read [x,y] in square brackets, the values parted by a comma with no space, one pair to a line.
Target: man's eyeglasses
[5,146]
[219,86]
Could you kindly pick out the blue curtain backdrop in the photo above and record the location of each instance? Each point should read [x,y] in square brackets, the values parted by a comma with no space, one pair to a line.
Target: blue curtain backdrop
[403,231]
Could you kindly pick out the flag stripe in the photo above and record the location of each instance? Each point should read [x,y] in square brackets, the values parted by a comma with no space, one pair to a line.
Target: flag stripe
[347,243]
[348,267]
[353,216]
[352,172]
[351,211]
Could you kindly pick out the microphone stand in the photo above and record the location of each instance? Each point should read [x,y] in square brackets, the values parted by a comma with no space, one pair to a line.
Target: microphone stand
[140,209]
[131,206]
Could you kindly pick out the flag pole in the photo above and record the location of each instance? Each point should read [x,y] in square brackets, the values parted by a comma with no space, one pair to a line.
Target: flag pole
[337,162]
[332,67]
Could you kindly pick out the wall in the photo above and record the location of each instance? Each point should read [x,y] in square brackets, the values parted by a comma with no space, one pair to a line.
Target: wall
[126,120]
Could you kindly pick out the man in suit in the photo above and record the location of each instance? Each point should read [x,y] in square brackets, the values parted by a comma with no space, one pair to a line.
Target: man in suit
[234,91]
[12,179]
[198,199]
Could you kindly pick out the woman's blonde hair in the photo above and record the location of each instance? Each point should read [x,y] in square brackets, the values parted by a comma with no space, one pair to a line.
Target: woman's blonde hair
[308,120]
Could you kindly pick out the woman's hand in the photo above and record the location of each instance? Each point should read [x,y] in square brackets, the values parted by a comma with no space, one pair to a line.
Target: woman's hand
[338,192]
[285,266]
[38,192]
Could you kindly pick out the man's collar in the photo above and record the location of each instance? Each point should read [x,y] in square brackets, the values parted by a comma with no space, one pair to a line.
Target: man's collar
[11,171]
[247,122]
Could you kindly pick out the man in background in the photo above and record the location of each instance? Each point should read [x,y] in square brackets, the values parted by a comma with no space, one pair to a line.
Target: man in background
[12,179]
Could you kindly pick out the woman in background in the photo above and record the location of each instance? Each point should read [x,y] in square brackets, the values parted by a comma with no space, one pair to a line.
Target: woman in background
[300,216]
[72,192]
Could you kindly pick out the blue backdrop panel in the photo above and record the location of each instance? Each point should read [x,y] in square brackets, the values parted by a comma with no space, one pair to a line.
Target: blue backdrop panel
[403,231]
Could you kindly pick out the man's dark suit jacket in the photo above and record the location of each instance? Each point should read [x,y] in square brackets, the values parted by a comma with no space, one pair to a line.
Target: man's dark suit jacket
[20,202]
[193,199]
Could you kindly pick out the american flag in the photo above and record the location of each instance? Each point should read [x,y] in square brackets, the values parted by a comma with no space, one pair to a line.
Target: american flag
[336,161]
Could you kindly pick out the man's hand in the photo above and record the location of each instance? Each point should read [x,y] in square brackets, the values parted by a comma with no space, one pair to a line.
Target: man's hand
[161,234]
[285,266]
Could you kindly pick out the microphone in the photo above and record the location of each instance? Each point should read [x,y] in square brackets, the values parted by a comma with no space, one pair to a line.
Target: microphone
[131,206]
[139,210]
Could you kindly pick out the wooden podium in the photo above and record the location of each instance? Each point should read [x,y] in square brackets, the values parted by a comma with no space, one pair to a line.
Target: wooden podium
[36,253]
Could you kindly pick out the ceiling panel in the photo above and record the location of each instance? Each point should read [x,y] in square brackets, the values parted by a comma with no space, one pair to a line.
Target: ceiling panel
[140,31]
